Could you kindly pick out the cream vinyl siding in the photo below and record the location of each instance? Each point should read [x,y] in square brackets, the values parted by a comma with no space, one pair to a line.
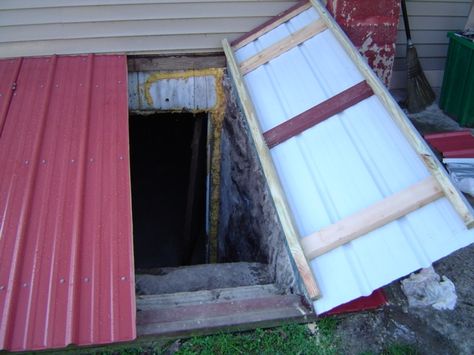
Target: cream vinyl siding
[38,27]
[429,22]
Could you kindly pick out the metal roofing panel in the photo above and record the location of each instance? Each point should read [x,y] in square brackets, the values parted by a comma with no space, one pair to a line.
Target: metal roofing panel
[66,255]
[458,144]
[343,165]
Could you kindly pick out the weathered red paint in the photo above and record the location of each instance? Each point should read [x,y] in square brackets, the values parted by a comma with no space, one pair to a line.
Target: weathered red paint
[376,300]
[459,144]
[317,114]
[372,27]
[66,254]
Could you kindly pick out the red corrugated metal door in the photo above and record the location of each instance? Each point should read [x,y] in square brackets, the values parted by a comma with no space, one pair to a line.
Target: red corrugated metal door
[66,254]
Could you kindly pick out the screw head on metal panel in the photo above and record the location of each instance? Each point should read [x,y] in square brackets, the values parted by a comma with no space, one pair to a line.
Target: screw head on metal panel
[123,278]
[61,280]
[86,279]
[119,82]
[91,160]
[25,285]
[2,288]
[27,162]
[121,157]
[43,161]
[72,160]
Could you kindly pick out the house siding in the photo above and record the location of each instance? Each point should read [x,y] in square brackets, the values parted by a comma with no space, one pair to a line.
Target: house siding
[30,27]
[429,23]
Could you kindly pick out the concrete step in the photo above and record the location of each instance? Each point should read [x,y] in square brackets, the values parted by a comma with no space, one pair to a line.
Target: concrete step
[201,277]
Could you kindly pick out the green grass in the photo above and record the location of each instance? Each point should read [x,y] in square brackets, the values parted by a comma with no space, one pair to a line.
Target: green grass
[289,339]
[400,349]
[314,339]
[396,349]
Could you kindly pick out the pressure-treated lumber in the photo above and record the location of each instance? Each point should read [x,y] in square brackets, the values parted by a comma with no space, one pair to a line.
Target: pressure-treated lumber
[279,198]
[221,315]
[271,24]
[433,165]
[175,62]
[371,218]
[282,46]
[317,114]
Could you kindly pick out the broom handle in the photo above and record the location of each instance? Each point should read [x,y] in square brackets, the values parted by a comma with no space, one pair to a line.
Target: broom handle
[405,20]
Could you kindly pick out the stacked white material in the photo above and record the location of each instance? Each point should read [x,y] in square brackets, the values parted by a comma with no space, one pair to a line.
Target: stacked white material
[343,165]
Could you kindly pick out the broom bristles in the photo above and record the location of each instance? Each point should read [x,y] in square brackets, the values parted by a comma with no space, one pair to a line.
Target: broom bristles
[419,91]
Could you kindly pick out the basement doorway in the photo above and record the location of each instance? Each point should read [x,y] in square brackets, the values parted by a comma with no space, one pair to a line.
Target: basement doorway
[222,261]
[168,175]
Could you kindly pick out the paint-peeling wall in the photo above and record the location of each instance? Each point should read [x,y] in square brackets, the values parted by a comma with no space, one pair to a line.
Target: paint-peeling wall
[372,27]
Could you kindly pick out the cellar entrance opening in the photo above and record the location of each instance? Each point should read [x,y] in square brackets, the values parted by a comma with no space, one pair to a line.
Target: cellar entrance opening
[168,172]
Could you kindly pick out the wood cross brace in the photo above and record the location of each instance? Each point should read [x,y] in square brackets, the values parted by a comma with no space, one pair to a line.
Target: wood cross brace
[375,216]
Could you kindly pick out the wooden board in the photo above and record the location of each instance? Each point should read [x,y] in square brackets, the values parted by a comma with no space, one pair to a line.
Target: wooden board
[275,97]
[271,24]
[282,46]
[219,295]
[279,198]
[434,166]
[371,218]
[317,114]
[210,317]
[175,62]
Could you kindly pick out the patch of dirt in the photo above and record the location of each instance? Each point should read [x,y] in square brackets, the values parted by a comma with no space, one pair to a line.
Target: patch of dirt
[428,330]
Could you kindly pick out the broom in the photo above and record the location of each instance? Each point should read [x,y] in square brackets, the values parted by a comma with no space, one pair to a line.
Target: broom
[419,92]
